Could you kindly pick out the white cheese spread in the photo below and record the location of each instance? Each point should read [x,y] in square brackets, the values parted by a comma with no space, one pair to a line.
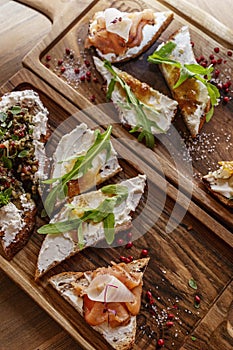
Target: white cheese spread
[148,33]
[184,54]
[75,144]
[161,108]
[58,247]
[221,181]
[11,223]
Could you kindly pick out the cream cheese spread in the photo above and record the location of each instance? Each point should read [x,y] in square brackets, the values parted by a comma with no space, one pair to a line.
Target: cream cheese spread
[161,108]
[75,144]
[11,223]
[183,53]
[58,247]
[221,180]
[148,33]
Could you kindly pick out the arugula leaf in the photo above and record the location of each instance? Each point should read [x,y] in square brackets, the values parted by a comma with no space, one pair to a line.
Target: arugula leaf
[187,71]
[80,237]
[5,197]
[184,75]
[132,102]
[109,232]
[59,227]
[165,50]
[104,213]
[162,55]
[80,168]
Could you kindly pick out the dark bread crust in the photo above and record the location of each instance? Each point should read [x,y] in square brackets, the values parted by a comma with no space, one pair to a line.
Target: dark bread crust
[227,202]
[22,237]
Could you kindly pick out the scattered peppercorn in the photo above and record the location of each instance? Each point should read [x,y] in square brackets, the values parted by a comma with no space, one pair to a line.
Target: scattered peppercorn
[160,342]
[129,245]
[144,252]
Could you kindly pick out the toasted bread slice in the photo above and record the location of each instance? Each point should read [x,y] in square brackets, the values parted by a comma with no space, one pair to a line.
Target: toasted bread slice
[120,36]
[220,183]
[72,286]
[22,162]
[76,144]
[33,124]
[192,95]
[16,225]
[58,247]
[159,108]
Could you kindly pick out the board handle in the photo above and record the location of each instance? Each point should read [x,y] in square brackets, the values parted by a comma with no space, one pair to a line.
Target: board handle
[202,20]
[51,9]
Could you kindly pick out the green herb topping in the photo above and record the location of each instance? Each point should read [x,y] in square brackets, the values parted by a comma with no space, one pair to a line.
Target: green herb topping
[104,212]
[81,166]
[192,283]
[144,124]
[5,197]
[187,71]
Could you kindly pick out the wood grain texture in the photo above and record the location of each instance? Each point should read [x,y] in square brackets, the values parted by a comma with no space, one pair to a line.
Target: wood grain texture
[175,257]
[60,340]
[25,324]
[203,20]
[215,141]
[217,328]
[19,34]
[52,9]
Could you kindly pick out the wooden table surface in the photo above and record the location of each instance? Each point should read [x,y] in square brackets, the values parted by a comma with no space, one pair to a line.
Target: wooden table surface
[24,324]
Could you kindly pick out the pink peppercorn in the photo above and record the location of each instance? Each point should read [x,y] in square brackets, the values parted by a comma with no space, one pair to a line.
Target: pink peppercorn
[144,252]
[129,245]
[160,342]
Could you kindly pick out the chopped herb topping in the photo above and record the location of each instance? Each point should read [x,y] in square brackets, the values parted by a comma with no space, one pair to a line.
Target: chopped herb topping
[192,283]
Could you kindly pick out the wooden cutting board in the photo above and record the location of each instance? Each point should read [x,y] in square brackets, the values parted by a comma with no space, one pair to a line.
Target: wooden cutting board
[213,144]
[176,257]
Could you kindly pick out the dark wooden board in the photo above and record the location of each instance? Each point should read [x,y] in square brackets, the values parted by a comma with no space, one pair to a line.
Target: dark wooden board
[191,250]
[200,155]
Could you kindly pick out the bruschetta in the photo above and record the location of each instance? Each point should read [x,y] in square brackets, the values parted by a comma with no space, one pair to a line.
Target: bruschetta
[120,36]
[109,299]
[148,110]
[89,219]
[186,79]
[23,126]
[220,183]
[83,159]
